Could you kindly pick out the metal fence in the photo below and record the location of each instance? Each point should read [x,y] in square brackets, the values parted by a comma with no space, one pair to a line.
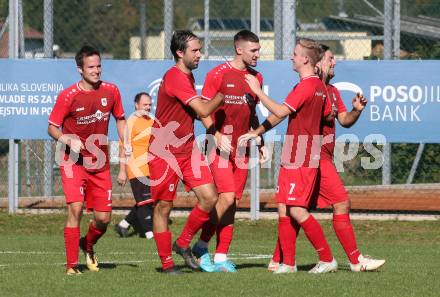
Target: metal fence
[354,28]
[130,29]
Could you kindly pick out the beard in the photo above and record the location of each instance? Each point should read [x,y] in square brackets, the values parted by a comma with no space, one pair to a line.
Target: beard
[192,65]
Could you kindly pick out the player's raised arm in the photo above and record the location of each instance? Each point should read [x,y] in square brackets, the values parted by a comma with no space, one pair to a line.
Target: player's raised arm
[204,108]
[347,119]
[280,110]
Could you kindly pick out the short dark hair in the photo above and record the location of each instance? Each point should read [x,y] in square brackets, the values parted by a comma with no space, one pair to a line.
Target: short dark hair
[138,96]
[85,51]
[324,47]
[179,41]
[246,35]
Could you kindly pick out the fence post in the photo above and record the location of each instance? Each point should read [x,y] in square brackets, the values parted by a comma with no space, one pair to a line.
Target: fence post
[21,47]
[255,16]
[255,181]
[289,27]
[168,16]
[142,28]
[278,29]
[387,55]
[48,54]
[13,54]
[396,30]
[28,169]
[206,36]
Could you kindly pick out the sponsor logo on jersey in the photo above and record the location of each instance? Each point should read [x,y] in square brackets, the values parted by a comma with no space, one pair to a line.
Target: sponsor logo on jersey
[97,116]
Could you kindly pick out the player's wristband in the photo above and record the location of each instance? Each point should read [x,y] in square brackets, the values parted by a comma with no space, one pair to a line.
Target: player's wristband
[211,130]
[267,125]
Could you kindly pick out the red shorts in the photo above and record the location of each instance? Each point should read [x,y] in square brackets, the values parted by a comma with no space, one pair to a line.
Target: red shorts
[228,177]
[164,176]
[295,186]
[95,188]
[329,188]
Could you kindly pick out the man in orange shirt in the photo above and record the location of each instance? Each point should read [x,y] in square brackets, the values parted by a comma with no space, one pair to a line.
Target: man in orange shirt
[136,169]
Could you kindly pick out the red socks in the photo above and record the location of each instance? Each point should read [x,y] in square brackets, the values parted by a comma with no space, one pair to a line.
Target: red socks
[344,232]
[208,230]
[314,233]
[71,241]
[92,236]
[224,238]
[195,221]
[287,232]
[277,256]
[163,244]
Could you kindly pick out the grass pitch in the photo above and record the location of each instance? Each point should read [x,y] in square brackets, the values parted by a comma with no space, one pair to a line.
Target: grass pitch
[32,263]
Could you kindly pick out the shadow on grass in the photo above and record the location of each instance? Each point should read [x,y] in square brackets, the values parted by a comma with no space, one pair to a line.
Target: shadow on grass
[107,265]
[250,265]
[305,267]
[182,268]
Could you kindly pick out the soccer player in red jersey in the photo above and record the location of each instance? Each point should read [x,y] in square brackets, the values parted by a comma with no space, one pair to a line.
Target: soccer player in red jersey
[173,153]
[305,105]
[329,187]
[79,120]
[229,167]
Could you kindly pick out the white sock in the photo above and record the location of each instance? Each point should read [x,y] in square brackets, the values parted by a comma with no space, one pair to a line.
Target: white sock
[202,244]
[149,234]
[220,258]
[124,224]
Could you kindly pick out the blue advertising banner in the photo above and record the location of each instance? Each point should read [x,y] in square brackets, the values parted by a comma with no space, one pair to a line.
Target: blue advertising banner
[404,96]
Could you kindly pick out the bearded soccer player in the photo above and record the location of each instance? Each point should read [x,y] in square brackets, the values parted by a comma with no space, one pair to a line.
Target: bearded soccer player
[229,167]
[305,105]
[330,190]
[173,153]
[80,120]
[138,134]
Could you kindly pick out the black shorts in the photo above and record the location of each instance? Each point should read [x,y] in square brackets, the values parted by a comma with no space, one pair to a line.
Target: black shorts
[141,190]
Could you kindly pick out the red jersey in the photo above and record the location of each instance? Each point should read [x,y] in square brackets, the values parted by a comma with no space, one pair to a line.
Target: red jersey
[239,101]
[176,91]
[329,127]
[86,113]
[307,101]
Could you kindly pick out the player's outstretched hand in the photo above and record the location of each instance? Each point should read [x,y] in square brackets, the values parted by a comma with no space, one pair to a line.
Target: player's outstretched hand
[359,102]
[243,139]
[264,155]
[74,143]
[223,142]
[253,83]
[122,178]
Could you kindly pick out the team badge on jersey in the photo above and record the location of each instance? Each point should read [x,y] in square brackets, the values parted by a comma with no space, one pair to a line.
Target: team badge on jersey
[104,101]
